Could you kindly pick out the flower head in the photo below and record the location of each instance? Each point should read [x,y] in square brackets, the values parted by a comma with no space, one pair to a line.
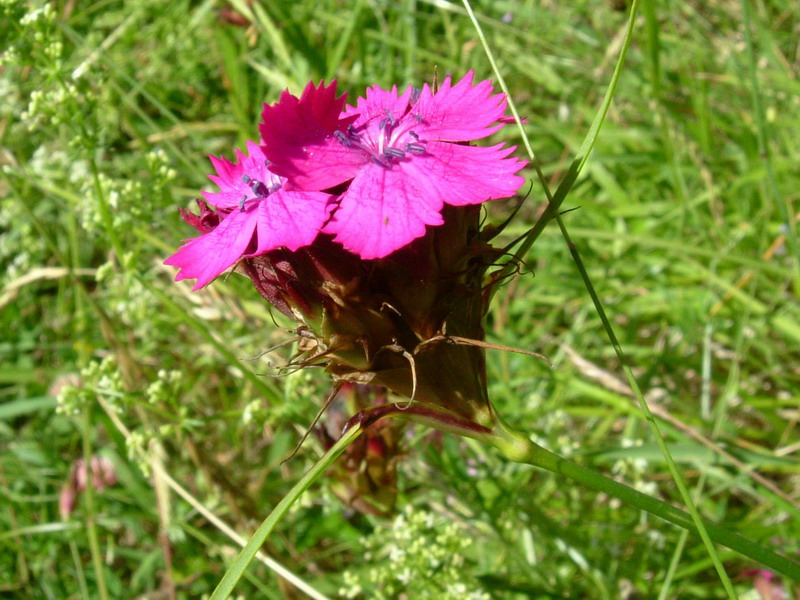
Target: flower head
[257,214]
[397,164]
[406,155]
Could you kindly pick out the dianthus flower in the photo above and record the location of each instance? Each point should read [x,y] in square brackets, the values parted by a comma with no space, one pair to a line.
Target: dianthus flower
[333,187]
[405,156]
[258,215]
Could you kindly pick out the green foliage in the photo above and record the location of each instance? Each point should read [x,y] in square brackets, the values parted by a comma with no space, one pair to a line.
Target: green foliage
[107,112]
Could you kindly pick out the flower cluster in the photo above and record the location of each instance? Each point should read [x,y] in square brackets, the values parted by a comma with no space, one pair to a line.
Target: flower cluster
[362,223]
[402,158]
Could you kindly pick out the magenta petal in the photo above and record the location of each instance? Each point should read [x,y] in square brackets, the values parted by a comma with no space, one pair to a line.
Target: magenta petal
[223,199]
[383,210]
[297,137]
[319,167]
[226,170]
[378,104]
[323,104]
[460,175]
[290,219]
[205,257]
[261,216]
[229,176]
[461,112]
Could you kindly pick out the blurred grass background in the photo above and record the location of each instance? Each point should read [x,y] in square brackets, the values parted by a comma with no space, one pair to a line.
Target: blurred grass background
[684,215]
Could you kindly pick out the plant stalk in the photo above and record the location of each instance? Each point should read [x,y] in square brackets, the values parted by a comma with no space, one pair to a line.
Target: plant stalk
[519,448]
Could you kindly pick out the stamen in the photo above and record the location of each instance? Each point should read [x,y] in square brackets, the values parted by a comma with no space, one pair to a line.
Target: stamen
[340,135]
[394,153]
[380,163]
[242,200]
[413,134]
[415,148]
[418,117]
[259,189]
[382,122]
[390,116]
[415,92]
[246,178]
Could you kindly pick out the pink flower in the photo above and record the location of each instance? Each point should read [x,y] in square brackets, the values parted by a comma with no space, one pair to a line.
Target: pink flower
[405,155]
[258,215]
[104,474]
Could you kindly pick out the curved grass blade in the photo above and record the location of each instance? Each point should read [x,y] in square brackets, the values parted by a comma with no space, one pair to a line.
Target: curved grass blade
[554,203]
[245,557]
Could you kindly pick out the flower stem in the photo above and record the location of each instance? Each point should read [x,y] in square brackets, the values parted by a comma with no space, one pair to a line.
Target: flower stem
[519,448]
[91,513]
[245,557]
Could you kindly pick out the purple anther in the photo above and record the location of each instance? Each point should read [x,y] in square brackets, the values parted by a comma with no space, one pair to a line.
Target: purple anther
[418,117]
[380,163]
[415,92]
[389,116]
[242,200]
[394,153]
[382,122]
[414,135]
[259,189]
[415,148]
[340,135]
[246,178]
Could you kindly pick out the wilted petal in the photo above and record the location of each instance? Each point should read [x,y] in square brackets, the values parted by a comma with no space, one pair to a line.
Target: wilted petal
[66,500]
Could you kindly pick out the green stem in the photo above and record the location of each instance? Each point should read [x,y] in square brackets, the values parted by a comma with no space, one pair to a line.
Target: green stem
[248,553]
[519,448]
[671,466]
[89,501]
[762,136]
[554,200]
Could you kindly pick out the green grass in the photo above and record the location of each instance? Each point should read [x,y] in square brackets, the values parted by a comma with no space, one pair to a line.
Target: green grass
[681,213]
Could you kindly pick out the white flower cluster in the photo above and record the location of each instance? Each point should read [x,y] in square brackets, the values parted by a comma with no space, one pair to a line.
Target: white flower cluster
[419,556]
[43,14]
[48,107]
[98,378]
[159,165]
[166,387]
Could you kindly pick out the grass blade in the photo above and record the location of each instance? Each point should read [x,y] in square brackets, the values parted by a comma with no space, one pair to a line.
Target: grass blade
[245,557]
[554,203]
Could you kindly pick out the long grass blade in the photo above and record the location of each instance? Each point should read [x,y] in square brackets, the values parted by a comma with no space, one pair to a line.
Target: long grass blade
[245,557]
[554,203]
